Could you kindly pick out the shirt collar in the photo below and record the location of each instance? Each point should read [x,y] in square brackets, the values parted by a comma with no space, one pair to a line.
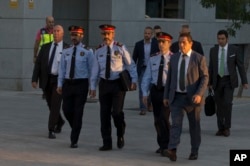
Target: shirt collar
[225,47]
[188,54]
[148,42]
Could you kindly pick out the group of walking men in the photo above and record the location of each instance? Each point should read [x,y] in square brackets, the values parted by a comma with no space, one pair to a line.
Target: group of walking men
[171,77]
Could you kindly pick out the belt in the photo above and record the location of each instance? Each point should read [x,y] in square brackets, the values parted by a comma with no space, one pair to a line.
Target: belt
[159,89]
[75,81]
[110,81]
[53,76]
[224,77]
[181,93]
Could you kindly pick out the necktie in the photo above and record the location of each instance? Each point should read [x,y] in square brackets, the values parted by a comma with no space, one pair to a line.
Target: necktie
[107,72]
[182,74]
[72,66]
[51,59]
[222,58]
[160,72]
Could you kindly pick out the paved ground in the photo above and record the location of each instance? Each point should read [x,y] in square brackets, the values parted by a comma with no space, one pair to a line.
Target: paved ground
[24,142]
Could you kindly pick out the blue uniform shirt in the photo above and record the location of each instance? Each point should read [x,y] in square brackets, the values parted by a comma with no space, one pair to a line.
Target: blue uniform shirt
[151,73]
[83,63]
[120,60]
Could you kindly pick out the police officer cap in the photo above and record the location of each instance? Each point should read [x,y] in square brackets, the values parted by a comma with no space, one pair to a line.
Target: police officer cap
[164,36]
[76,29]
[107,27]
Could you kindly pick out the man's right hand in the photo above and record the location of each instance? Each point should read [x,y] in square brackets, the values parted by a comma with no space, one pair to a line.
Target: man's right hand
[59,90]
[166,102]
[34,84]
[145,100]
[92,93]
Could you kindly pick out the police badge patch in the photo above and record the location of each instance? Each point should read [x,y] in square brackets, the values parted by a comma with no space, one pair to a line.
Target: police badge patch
[82,53]
[116,52]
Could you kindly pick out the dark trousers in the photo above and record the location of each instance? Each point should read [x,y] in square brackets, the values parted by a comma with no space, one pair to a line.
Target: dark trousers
[224,101]
[180,105]
[141,104]
[161,117]
[75,94]
[53,100]
[111,101]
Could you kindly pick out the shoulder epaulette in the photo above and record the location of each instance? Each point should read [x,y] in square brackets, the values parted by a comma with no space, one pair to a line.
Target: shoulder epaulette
[43,30]
[118,44]
[85,47]
[157,53]
[66,46]
[101,45]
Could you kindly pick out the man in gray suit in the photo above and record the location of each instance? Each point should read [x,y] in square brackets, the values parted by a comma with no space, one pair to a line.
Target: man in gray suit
[186,84]
[224,59]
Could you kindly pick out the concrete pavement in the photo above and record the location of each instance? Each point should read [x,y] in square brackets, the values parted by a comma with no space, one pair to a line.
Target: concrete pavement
[24,142]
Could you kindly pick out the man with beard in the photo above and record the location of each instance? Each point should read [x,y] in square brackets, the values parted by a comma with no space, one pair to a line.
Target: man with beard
[111,58]
[73,82]
[142,51]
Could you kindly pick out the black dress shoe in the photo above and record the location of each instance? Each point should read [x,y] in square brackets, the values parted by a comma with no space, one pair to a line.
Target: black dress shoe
[52,135]
[120,142]
[142,112]
[226,132]
[58,128]
[73,145]
[193,156]
[158,150]
[171,154]
[219,132]
[105,148]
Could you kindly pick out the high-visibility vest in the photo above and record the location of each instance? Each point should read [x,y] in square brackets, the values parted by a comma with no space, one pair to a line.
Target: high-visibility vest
[46,37]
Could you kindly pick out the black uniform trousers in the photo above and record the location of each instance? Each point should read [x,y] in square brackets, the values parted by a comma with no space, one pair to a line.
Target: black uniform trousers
[161,117]
[74,94]
[111,101]
[54,101]
[224,101]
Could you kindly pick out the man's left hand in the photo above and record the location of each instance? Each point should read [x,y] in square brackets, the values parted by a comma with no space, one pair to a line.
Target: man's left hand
[196,99]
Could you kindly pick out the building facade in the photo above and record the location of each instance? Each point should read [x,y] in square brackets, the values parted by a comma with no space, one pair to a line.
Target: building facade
[21,19]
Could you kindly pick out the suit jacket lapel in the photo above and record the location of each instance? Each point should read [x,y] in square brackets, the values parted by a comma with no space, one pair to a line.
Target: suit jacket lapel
[48,53]
[216,59]
[191,60]
[228,53]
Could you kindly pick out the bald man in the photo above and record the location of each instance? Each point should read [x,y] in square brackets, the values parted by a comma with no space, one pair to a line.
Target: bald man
[46,71]
[43,36]
[195,47]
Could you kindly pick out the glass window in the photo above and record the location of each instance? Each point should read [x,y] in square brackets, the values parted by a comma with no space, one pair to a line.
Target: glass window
[165,8]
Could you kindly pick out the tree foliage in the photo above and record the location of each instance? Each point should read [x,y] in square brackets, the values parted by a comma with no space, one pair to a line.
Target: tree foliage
[237,11]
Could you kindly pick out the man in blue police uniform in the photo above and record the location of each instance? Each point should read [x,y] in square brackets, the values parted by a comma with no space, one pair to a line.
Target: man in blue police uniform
[111,58]
[73,83]
[156,74]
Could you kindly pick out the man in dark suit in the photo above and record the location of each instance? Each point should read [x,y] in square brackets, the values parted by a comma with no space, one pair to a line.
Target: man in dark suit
[195,47]
[224,59]
[46,71]
[142,51]
[185,86]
